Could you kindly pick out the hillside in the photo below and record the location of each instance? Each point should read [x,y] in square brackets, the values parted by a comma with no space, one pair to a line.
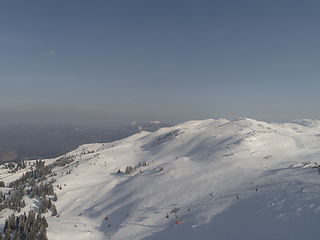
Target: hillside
[241,179]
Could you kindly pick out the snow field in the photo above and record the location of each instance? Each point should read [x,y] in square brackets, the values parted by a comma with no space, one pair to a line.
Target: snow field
[241,179]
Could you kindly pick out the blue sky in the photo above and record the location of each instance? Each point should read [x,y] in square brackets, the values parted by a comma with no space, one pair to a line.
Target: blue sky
[114,62]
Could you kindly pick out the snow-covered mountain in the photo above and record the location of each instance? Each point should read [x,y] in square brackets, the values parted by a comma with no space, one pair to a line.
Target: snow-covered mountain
[241,179]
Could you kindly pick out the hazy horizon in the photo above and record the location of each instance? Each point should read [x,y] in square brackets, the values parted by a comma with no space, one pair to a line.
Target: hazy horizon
[109,63]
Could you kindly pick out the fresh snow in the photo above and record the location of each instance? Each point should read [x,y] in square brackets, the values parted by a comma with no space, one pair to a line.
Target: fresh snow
[241,179]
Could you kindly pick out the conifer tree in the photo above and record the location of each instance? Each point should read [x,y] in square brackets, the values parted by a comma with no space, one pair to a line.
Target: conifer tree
[54,210]
[37,223]
[42,234]
[44,222]
[7,234]
[31,235]
[12,222]
[16,235]
[129,169]
[33,193]
[6,224]
[55,197]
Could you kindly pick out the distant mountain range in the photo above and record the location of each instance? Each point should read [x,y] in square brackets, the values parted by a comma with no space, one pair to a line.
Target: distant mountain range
[47,141]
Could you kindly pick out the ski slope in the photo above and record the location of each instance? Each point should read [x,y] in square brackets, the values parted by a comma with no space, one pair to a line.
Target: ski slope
[241,179]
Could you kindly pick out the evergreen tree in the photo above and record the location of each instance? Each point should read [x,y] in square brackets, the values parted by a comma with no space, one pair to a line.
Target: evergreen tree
[42,234]
[37,223]
[44,222]
[31,235]
[6,224]
[7,234]
[129,169]
[33,193]
[30,221]
[12,222]
[54,210]
[16,235]
[55,198]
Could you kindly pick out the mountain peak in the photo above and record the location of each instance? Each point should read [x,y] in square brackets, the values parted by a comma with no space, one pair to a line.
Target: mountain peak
[307,123]
[156,122]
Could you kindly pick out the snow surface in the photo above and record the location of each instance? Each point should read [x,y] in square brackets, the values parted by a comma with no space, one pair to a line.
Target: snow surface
[241,179]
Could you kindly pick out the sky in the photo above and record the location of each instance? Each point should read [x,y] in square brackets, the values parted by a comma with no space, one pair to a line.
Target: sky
[109,63]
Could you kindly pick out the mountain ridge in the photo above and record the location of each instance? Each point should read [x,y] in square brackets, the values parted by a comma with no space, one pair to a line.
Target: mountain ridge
[192,149]
[240,179]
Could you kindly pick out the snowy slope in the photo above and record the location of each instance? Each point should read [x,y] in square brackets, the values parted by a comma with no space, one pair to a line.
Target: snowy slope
[241,179]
